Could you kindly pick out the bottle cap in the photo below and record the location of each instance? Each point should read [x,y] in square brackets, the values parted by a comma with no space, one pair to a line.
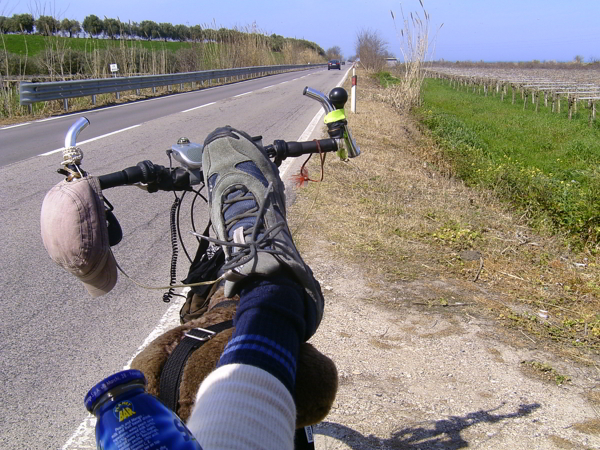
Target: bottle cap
[109,383]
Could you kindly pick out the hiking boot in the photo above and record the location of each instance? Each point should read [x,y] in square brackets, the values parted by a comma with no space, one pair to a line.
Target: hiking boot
[247,208]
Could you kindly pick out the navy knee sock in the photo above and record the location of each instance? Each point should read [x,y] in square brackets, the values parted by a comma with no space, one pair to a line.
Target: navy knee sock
[269,327]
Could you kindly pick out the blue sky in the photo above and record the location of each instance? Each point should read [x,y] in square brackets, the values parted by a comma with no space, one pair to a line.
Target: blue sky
[489,30]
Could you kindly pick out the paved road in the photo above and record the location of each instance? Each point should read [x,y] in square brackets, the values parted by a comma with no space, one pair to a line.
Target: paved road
[56,341]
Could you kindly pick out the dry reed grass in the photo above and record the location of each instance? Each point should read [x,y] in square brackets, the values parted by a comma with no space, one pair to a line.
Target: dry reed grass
[396,213]
[416,48]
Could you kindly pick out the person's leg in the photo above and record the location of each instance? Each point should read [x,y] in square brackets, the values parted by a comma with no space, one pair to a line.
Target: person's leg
[247,402]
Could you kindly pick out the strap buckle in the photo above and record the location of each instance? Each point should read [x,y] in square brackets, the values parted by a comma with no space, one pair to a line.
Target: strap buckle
[208,334]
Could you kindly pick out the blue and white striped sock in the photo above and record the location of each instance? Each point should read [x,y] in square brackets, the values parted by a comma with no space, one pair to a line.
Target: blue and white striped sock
[269,327]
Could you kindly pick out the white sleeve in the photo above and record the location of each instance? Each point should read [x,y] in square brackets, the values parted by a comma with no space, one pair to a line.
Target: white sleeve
[240,407]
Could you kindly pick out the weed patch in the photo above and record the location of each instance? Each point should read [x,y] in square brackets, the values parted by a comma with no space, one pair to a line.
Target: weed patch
[543,163]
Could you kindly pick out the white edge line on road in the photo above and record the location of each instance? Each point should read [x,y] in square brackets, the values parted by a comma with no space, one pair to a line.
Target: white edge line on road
[245,93]
[91,140]
[85,433]
[15,126]
[267,87]
[285,165]
[198,107]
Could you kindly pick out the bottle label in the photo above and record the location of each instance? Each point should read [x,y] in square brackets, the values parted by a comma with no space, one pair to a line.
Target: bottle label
[142,423]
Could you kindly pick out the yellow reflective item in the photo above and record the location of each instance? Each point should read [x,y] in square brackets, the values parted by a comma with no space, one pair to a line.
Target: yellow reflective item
[335,116]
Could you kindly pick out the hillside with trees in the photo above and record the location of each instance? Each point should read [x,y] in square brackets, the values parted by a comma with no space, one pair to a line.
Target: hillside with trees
[66,48]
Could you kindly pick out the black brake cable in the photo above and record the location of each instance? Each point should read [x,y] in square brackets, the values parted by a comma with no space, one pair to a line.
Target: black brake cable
[168,296]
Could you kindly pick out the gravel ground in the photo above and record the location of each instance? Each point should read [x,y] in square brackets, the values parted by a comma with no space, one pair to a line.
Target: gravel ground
[414,376]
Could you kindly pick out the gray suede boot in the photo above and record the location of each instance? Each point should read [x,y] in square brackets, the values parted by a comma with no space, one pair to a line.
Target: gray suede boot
[247,208]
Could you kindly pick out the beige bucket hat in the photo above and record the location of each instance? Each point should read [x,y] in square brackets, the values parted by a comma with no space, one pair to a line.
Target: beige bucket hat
[75,233]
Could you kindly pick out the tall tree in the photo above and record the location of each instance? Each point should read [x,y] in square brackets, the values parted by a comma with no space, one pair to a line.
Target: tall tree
[334,52]
[20,23]
[47,25]
[181,33]
[70,26]
[92,25]
[149,29]
[371,49]
[112,27]
[166,30]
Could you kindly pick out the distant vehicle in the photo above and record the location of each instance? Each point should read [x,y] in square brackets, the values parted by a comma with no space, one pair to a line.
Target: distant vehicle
[334,64]
[343,63]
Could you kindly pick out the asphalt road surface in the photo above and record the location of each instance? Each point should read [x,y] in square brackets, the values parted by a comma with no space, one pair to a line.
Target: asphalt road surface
[56,341]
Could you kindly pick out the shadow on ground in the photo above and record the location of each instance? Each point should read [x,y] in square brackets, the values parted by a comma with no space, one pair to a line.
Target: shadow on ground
[444,433]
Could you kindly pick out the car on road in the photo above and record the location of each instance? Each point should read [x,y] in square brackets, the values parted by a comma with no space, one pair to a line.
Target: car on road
[334,64]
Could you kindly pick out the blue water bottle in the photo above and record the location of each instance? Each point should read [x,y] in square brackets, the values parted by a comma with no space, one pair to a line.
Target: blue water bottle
[130,418]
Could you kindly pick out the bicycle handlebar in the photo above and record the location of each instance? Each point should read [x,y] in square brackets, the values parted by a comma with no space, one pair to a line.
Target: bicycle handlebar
[178,179]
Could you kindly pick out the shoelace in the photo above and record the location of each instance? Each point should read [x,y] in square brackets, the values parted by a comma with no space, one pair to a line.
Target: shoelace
[248,250]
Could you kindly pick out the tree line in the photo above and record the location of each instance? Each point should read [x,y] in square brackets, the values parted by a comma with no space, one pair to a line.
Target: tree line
[147,29]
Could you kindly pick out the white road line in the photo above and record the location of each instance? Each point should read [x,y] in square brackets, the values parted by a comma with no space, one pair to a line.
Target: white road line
[15,126]
[91,140]
[267,87]
[198,107]
[285,165]
[245,93]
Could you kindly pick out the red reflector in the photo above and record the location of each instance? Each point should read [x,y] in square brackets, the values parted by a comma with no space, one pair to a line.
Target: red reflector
[354,80]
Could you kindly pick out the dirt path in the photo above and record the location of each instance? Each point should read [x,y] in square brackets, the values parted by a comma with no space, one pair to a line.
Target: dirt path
[419,377]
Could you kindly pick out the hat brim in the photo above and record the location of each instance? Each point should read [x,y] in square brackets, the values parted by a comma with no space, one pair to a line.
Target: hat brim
[104,279]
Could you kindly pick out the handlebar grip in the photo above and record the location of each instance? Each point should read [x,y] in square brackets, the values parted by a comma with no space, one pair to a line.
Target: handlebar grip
[130,175]
[304,148]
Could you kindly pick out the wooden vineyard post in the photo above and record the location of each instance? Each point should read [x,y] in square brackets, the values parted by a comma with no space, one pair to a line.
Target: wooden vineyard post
[546,99]
[513,93]
[524,95]
[537,102]
[570,103]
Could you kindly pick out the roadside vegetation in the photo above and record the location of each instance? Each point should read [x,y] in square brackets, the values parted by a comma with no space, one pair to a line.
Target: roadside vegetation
[402,214]
[45,49]
[544,164]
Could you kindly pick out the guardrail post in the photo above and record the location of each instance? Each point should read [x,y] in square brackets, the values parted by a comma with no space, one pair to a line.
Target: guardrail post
[66,104]
[118,95]
[137,92]
[154,89]
[94,99]
[181,86]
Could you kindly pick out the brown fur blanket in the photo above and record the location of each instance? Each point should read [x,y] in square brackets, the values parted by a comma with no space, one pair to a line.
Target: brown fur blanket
[316,378]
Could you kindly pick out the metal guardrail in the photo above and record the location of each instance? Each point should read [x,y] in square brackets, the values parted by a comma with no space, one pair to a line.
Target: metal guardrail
[58,90]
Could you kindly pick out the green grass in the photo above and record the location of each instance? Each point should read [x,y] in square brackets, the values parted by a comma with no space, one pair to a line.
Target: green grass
[542,162]
[34,44]
[386,79]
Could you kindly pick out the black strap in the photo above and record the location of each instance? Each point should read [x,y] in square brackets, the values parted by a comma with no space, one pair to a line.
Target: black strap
[304,438]
[170,377]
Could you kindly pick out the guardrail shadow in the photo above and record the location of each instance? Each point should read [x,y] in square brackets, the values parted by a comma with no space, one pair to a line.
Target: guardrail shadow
[444,433]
